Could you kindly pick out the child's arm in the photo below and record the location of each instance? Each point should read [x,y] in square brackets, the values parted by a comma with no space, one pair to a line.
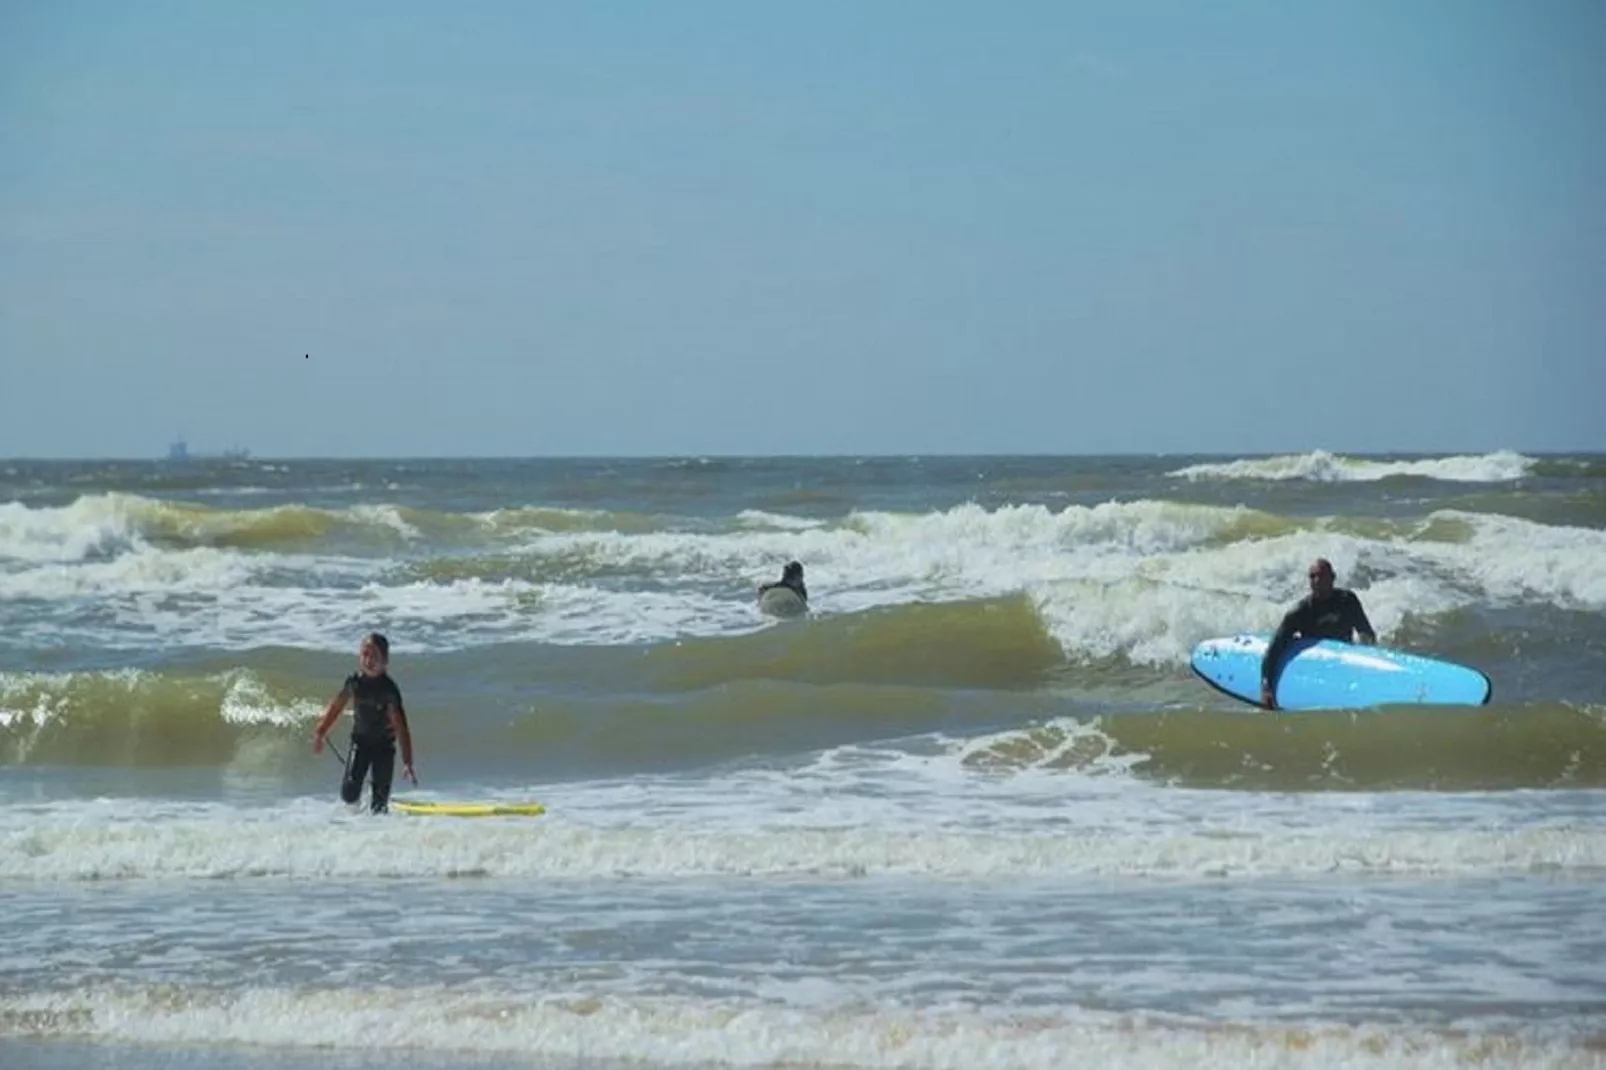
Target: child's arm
[398,723]
[327,721]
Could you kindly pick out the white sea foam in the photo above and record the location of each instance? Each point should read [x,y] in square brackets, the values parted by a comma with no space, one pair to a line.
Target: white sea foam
[140,571]
[579,1024]
[90,842]
[1320,466]
[1513,560]
[100,526]
[90,527]
[758,518]
[1143,580]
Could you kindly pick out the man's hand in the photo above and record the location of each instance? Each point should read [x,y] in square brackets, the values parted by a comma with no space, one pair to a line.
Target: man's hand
[1268,697]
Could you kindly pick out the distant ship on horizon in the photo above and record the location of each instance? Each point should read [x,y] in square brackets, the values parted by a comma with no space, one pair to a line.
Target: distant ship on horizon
[179,450]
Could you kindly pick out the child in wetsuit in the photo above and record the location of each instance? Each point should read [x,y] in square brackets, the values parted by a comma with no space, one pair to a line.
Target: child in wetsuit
[379,722]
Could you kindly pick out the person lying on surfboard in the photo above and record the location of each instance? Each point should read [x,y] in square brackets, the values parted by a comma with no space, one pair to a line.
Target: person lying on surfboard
[378,723]
[791,579]
[1328,612]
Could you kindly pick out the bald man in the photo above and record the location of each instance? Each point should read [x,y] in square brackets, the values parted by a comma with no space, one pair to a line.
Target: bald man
[1328,612]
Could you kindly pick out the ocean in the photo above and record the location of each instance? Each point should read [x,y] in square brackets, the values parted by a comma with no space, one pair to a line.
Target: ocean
[973,812]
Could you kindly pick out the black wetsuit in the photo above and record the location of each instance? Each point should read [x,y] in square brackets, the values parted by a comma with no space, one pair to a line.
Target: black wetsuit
[1338,616]
[373,740]
[793,585]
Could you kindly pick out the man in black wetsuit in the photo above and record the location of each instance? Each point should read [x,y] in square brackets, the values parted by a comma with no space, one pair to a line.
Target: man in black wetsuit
[791,579]
[1328,612]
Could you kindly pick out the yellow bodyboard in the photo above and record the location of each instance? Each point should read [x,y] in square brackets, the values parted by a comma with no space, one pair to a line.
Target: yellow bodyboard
[451,809]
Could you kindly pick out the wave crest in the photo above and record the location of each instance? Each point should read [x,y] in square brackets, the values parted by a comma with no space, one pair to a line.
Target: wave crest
[1319,466]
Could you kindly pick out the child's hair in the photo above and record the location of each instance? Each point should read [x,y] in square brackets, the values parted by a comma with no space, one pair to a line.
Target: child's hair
[379,641]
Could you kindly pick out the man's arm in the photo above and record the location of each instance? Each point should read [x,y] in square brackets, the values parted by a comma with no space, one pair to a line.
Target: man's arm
[1274,652]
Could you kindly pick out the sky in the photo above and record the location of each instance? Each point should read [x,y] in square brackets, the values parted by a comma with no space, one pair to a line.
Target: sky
[394,228]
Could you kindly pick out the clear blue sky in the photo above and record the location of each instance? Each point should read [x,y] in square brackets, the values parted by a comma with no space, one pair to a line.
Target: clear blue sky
[381,228]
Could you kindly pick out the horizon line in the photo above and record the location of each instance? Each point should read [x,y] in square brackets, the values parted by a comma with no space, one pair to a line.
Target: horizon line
[247,456]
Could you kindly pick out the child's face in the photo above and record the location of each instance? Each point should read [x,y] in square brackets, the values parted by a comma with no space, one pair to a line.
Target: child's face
[370,660]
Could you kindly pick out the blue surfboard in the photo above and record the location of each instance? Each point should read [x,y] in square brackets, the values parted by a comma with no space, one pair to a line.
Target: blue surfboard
[1326,674]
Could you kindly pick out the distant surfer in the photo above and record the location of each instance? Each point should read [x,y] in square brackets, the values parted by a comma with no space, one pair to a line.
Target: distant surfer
[791,579]
[379,722]
[1328,612]
[788,597]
